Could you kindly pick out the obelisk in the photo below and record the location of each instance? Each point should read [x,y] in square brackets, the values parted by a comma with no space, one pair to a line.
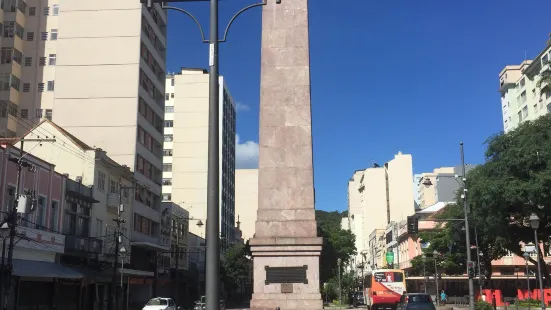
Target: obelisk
[285,247]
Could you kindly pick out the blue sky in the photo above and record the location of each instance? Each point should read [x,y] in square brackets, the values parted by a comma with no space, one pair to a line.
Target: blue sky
[416,76]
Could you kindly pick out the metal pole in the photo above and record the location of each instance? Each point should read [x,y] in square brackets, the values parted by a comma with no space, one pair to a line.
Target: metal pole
[12,218]
[478,262]
[425,274]
[2,270]
[528,283]
[340,286]
[539,269]
[467,234]
[155,275]
[213,198]
[113,303]
[436,280]
[176,299]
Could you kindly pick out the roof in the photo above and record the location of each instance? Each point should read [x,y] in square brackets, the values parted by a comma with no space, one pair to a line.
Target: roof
[74,139]
[434,208]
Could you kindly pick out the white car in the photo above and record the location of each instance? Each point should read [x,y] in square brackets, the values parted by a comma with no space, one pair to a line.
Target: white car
[160,303]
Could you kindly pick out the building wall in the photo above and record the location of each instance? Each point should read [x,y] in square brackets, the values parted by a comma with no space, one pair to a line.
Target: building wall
[85,102]
[427,193]
[189,168]
[246,200]
[400,177]
[521,99]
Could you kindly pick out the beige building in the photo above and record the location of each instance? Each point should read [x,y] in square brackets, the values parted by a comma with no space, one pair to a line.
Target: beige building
[426,195]
[377,196]
[185,165]
[246,200]
[377,249]
[521,98]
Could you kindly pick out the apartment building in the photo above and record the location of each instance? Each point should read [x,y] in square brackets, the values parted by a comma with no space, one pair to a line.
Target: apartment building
[185,164]
[377,196]
[521,98]
[425,193]
[246,200]
[142,233]
[441,185]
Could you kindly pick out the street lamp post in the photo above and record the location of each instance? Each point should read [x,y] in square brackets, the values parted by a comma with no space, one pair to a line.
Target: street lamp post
[213,178]
[526,257]
[434,255]
[535,223]
[339,274]
[424,257]
[4,233]
[467,233]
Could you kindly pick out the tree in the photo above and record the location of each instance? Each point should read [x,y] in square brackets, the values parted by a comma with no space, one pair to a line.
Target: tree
[510,185]
[337,243]
[236,264]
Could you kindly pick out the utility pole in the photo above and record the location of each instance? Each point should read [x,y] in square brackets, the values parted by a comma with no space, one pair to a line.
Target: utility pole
[12,215]
[467,233]
[177,260]
[113,301]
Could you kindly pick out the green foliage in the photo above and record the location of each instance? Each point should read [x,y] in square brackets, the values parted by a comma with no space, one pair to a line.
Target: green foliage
[236,264]
[482,305]
[529,303]
[337,243]
[349,284]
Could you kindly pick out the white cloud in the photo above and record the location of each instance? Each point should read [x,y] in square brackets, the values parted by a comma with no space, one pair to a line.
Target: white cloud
[241,107]
[246,154]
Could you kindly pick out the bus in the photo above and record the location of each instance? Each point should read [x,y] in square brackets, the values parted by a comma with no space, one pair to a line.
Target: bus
[383,288]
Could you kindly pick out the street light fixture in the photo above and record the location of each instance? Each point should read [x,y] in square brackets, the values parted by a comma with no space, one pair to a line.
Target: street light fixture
[122,254]
[535,223]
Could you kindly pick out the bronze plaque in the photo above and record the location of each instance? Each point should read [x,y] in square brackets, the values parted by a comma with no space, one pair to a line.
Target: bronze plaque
[286,275]
[286,288]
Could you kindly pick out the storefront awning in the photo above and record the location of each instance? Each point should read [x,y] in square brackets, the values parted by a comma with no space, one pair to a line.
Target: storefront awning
[37,269]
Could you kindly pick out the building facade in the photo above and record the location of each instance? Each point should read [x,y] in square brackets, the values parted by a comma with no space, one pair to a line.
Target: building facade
[522,98]
[246,200]
[185,167]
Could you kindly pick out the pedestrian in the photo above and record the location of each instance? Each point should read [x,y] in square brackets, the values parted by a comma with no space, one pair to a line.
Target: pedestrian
[443,298]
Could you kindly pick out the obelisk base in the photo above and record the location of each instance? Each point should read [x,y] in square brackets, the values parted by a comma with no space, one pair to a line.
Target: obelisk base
[282,255]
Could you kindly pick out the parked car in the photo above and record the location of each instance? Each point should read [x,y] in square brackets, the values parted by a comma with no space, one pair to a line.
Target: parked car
[415,301]
[161,303]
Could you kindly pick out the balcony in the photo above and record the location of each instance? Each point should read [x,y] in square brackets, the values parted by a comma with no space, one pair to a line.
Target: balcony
[84,245]
[77,190]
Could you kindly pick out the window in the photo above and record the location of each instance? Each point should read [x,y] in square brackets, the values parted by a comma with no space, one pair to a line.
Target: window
[99,228]
[15,82]
[167,181]
[30,36]
[49,114]
[522,83]
[167,152]
[55,9]
[32,11]
[28,61]
[51,85]
[53,36]
[9,28]
[44,35]
[167,96]
[169,123]
[6,55]
[24,113]
[26,87]
[52,60]
[167,197]
[172,95]
[40,87]
[525,112]
[46,10]
[101,181]
[169,138]
[169,109]
[41,212]
[167,167]
[42,61]
[519,116]
[172,81]
[54,215]
[38,113]
[113,188]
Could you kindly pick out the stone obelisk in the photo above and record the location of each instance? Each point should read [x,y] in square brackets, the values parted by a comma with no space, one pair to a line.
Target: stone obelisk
[285,247]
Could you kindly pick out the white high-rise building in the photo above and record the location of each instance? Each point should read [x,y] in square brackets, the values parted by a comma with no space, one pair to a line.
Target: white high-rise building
[521,97]
[185,164]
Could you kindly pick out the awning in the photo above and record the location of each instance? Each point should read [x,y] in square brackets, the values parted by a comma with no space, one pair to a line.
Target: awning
[38,269]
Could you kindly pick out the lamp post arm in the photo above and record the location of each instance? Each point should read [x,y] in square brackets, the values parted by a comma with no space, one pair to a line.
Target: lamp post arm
[166,7]
[225,37]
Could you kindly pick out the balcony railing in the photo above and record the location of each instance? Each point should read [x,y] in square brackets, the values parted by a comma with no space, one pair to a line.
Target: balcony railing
[79,189]
[76,244]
